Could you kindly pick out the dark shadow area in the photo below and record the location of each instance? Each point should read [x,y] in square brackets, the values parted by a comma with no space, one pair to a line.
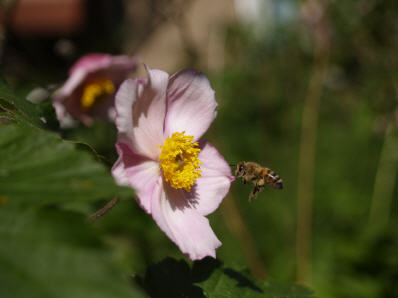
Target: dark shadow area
[170,278]
[241,280]
[201,270]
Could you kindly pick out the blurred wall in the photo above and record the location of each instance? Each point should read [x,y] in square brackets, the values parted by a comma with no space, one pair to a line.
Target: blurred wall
[194,37]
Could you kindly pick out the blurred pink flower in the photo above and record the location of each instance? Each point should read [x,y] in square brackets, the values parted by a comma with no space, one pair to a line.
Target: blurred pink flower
[178,177]
[89,91]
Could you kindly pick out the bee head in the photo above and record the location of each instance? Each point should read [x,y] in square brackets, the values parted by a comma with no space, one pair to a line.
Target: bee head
[240,169]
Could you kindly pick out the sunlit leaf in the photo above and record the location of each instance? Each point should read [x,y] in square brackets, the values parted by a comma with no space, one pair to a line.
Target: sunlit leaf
[37,166]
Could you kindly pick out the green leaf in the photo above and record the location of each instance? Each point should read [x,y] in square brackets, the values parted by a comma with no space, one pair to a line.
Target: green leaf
[210,278]
[38,166]
[225,282]
[19,108]
[228,282]
[48,253]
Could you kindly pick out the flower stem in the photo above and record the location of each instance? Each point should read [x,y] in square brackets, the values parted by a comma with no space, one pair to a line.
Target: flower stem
[385,179]
[104,210]
[236,224]
[305,191]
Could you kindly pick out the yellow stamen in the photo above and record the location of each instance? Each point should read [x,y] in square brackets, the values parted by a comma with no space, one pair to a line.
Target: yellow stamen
[94,91]
[179,161]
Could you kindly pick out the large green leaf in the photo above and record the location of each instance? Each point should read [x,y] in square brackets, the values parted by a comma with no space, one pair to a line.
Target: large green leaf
[49,253]
[210,278]
[37,166]
[19,108]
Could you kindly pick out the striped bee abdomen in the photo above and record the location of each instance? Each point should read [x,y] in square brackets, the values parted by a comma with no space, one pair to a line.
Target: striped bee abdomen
[272,178]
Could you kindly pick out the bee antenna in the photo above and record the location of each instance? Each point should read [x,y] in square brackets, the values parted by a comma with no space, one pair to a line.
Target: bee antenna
[232,164]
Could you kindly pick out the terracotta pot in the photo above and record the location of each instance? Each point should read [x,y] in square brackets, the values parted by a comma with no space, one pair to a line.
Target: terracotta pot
[46,17]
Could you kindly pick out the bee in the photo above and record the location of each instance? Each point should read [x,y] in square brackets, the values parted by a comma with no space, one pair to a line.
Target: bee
[252,172]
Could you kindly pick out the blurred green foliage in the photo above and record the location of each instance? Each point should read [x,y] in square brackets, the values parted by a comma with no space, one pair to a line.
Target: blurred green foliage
[261,94]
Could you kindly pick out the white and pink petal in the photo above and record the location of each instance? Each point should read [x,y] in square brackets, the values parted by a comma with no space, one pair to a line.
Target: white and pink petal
[138,172]
[91,62]
[213,186]
[64,118]
[125,97]
[183,224]
[191,105]
[141,109]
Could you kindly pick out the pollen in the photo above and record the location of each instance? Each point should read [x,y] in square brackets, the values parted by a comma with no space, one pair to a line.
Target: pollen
[179,161]
[95,91]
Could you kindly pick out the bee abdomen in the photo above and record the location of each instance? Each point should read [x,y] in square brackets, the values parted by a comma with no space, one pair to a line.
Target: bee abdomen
[272,179]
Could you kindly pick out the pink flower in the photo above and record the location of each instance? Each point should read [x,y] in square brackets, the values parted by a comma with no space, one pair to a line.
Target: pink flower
[178,177]
[89,91]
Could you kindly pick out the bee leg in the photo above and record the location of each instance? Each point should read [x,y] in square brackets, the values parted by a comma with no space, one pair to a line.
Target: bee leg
[255,191]
[260,183]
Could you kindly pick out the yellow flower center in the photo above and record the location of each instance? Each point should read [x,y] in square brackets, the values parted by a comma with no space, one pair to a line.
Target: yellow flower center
[95,91]
[179,161]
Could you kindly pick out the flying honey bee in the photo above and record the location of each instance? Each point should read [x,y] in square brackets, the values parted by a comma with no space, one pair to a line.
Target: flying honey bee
[258,175]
